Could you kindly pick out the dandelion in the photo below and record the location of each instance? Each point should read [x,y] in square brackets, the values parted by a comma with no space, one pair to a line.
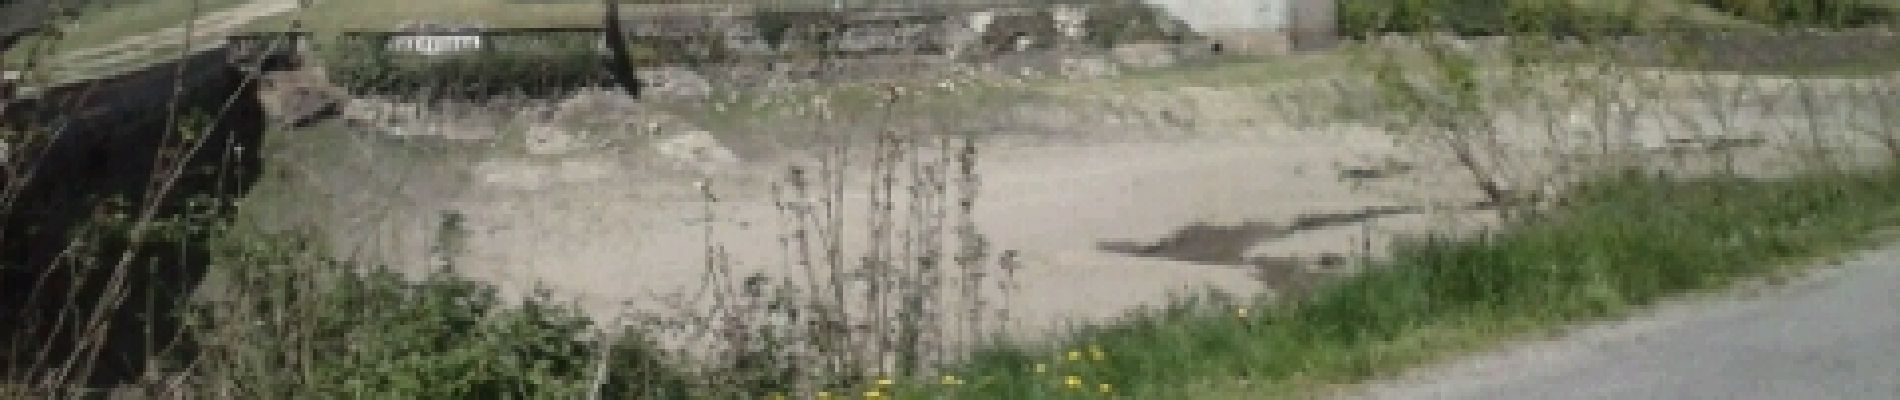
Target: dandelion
[824,395]
[951,380]
[1074,382]
[885,382]
[1041,368]
[1096,353]
[1105,388]
[1075,356]
[873,394]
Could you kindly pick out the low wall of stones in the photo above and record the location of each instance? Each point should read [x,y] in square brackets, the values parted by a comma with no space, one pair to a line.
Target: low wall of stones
[752,49]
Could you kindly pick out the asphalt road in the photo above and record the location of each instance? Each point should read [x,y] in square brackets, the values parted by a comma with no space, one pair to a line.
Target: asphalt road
[1834,334]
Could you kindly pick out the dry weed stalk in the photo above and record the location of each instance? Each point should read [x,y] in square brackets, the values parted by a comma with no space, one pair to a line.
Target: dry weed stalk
[888,291]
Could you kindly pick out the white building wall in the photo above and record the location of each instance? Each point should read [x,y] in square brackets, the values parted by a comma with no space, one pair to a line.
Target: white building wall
[1258,26]
[1226,15]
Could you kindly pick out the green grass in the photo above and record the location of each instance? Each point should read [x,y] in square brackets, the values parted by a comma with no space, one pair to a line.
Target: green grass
[108,24]
[1624,242]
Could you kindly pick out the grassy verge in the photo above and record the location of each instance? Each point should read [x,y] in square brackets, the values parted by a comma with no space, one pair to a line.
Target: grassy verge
[106,24]
[1622,243]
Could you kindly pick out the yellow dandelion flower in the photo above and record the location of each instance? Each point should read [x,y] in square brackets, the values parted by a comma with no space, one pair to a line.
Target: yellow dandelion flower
[1074,382]
[1041,368]
[885,382]
[824,395]
[873,394]
[1241,312]
[1075,356]
[1105,388]
[1096,353]
[951,380]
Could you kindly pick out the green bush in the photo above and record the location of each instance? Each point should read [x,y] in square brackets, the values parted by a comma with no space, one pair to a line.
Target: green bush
[289,325]
[529,64]
[1824,13]
[1361,18]
[1120,23]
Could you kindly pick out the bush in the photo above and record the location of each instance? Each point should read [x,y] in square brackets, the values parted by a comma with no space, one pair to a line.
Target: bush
[535,65]
[289,325]
[1120,23]
[1824,13]
[1478,17]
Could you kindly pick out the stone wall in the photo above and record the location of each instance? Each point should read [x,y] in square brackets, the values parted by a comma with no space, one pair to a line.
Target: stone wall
[690,55]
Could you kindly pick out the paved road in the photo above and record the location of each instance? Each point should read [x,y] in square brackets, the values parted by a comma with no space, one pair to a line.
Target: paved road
[1834,335]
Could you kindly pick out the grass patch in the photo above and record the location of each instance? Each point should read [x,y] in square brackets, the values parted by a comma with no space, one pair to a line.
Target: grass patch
[1621,243]
[105,24]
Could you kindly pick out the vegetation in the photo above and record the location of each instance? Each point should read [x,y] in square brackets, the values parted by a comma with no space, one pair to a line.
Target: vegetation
[1824,13]
[1602,255]
[284,320]
[532,64]
[1488,17]
[100,22]
[289,324]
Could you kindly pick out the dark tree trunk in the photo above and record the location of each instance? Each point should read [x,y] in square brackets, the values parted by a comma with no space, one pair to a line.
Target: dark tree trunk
[620,63]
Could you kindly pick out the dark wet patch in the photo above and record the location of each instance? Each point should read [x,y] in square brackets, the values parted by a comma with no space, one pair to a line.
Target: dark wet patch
[1227,245]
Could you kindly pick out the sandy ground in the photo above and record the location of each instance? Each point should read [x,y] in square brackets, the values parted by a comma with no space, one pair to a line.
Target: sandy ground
[613,233]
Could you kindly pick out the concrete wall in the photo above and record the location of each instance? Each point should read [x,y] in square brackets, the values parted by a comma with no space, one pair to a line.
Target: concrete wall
[1228,15]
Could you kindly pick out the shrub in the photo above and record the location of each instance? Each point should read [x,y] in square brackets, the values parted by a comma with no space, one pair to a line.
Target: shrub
[529,64]
[290,325]
[1478,17]
[1825,13]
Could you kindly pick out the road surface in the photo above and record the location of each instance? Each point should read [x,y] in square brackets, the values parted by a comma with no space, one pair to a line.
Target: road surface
[1832,335]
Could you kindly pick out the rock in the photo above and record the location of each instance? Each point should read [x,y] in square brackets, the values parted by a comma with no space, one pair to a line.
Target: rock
[1145,55]
[1088,68]
[301,106]
[675,82]
[595,103]
[539,175]
[696,150]
[547,140]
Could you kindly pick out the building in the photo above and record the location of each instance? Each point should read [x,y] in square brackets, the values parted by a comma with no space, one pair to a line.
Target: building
[1258,26]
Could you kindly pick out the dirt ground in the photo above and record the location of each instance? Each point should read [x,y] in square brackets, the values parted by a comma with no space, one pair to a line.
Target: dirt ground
[1106,210]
